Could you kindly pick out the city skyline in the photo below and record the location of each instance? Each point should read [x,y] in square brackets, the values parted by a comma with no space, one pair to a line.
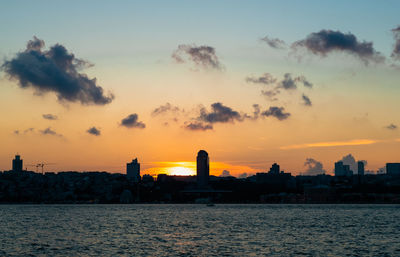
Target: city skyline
[101,83]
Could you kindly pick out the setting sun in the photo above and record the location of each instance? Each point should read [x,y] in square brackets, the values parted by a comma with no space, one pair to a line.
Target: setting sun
[180,171]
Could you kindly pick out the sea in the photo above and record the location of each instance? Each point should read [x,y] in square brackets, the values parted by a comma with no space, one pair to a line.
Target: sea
[199,230]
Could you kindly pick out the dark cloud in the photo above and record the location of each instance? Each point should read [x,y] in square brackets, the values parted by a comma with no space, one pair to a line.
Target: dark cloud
[200,56]
[288,82]
[274,42]
[55,70]
[132,122]
[306,100]
[50,116]
[271,94]
[391,126]
[277,112]
[313,167]
[396,49]
[94,131]
[220,113]
[326,41]
[303,80]
[265,79]
[50,131]
[198,126]
[165,109]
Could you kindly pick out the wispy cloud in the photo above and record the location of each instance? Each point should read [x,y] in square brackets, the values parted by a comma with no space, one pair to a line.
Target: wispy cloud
[332,144]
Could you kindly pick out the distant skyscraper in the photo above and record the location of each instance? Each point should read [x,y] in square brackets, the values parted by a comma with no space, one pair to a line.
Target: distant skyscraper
[133,171]
[342,170]
[17,163]
[203,169]
[360,166]
[275,169]
[393,168]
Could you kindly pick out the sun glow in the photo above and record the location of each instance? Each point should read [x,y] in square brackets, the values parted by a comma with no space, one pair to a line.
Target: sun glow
[180,171]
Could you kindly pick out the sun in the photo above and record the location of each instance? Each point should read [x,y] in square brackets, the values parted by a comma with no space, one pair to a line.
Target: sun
[180,171]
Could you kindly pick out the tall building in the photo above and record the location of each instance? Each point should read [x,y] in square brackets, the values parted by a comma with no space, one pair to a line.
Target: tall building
[393,168]
[17,163]
[203,169]
[342,170]
[360,166]
[133,171]
[275,169]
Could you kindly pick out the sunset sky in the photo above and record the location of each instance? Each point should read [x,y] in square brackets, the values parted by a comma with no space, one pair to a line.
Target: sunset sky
[91,85]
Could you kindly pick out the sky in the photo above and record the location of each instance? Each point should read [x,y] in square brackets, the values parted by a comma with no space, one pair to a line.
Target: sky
[91,85]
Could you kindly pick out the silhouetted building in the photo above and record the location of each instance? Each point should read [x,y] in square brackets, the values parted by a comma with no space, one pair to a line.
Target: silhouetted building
[17,163]
[203,169]
[275,169]
[133,171]
[393,168]
[342,170]
[360,166]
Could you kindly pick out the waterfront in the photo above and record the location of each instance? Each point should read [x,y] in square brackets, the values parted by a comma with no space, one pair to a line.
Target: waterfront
[198,230]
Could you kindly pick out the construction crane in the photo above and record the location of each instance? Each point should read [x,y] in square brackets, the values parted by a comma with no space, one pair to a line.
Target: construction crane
[33,165]
[41,165]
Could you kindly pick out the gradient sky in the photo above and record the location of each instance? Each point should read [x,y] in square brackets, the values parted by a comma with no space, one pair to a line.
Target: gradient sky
[130,44]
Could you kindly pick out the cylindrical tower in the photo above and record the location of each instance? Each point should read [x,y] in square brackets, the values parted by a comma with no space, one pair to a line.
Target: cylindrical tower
[203,169]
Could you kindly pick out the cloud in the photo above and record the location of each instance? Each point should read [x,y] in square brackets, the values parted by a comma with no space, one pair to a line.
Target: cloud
[274,42]
[197,126]
[306,100]
[326,41]
[219,113]
[265,79]
[396,49]
[313,167]
[243,175]
[49,131]
[200,56]
[28,130]
[94,131]
[277,112]
[391,126]
[162,109]
[132,122]
[332,144]
[55,70]
[225,173]
[291,83]
[351,161]
[50,117]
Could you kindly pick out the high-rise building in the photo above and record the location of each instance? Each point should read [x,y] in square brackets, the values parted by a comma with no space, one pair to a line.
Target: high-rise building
[393,168]
[342,170]
[17,163]
[203,169]
[360,166]
[275,169]
[133,171]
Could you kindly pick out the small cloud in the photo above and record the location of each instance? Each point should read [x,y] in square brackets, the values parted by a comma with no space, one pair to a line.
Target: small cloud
[225,173]
[306,100]
[391,126]
[55,70]
[94,131]
[396,49]
[50,131]
[274,42]
[265,79]
[327,41]
[166,108]
[277,112]
[198,126]
[50,117]
[200,56]
[220,113]
[132,122]
[28,130]
[243,175]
